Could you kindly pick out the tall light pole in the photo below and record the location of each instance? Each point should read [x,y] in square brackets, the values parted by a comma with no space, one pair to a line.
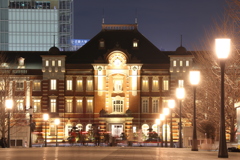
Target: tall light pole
[180,93]
[171,105]
[166,113]
[9,105]
[30,111]
[194,80]
[57,122]
[222,51]
[162,117]
[45,118]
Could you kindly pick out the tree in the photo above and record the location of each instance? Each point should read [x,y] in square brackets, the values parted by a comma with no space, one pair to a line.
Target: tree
[8,84]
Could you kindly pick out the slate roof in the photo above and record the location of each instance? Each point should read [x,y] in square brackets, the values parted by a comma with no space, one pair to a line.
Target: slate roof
[119,39]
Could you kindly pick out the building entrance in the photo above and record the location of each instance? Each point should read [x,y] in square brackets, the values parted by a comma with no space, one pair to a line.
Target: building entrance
[116,129]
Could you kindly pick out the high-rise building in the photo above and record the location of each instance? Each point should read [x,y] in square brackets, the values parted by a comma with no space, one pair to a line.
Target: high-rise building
[35,25]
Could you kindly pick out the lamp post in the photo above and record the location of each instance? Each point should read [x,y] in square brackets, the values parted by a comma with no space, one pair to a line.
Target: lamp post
[9,105]
[194,80]
[57,122]
[30,111]
[162,117]
[157,121]
[171,104]
[166,112]
[222,51]
[180,95]
[45,118]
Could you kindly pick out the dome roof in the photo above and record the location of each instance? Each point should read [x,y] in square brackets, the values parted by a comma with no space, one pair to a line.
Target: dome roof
[54,50]
[181,50]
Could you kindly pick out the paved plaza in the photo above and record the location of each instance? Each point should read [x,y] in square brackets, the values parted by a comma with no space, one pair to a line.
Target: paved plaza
[110,153]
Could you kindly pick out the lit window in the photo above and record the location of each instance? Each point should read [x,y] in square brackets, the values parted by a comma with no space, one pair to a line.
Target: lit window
[155,85]
[101,44]
[155,106]
[135,44]
[37,85]
[79,85]
[79,107]
[89,85]
[2,85]
[59,63]
[53,105]
[19,105]
[53,84]
[144,84]
[89,106]
[53,63]
[118,106]
[69,84]
[47,63]
[165,85]
[36,105]
[174,63]
[145,105]
[181,63]
[187,63]
[69,105]
[180,83]
[19,85]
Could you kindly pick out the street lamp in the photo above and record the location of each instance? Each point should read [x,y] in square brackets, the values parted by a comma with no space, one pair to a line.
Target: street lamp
[180,93]
[162,117]
[30,111]
[57,122]
[171,104]
[9,105]
[166,112]
[45,118]
[222,51]
[194,80]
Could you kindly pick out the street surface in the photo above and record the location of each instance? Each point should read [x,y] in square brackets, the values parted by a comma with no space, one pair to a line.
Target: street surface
[109,153]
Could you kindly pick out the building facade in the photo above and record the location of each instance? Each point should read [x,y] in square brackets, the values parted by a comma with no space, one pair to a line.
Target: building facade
[118,81]
[35,25]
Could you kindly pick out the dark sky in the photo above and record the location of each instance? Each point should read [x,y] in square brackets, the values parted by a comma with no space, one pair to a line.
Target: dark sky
[161,21]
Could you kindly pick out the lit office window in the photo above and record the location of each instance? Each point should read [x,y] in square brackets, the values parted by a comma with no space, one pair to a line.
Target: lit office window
[47,63]
[180,83]
[53,84]
[20,106]
[175,63]
[89,106]
[89,85]
[59,63]
[181,63]
[19,85]
[79,106]
[69,107]
[155,85]
[187,63]
[53,63]
[165,85]
[53,105]
[36,105]
[144,84]
[118,106]
[69,84]
[36,85]
[79,85]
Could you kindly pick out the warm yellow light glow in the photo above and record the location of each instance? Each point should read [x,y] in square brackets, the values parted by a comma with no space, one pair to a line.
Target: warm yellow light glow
[222,47]
[157,121]
[162,117]
[180,93]
[45,117]
[166,111]
[194,77]
[57,121]
[9,103]
[171,103]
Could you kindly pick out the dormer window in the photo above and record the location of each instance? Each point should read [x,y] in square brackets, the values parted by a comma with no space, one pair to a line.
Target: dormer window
[101,43]
[135,43]
[21,62]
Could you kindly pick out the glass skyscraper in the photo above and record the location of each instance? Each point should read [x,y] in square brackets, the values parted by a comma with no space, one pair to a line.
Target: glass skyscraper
[36,25]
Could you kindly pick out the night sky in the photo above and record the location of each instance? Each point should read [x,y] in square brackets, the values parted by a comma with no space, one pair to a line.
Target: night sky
[161,21]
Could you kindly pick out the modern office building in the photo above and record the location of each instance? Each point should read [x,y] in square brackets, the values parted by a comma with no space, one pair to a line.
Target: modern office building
[35,25]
